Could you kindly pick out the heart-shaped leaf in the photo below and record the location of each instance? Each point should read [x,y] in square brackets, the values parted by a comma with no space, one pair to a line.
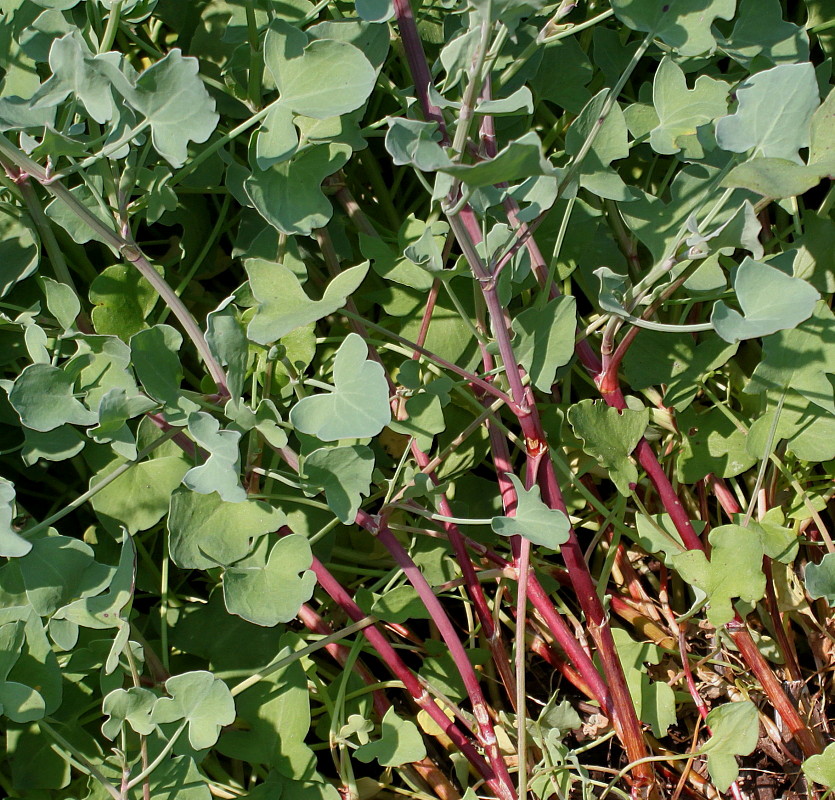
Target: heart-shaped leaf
[358,405]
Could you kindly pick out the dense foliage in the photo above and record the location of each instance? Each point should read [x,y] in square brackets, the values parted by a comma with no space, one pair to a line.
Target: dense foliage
[430,401]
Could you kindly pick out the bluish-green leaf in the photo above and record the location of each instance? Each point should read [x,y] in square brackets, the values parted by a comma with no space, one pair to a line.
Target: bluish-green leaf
[345,475]
[770,301]
[221,471]
[774,114]
[18,250]
[533,519]
[205,531]
[273,591]
[202,700]
[283,306]
[358,405]
[820,579]
[11,544]
[684,25]
[545,339]
[133,705]
[43,398]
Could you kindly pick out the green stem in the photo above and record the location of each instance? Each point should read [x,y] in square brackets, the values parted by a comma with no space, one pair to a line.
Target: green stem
[163,754]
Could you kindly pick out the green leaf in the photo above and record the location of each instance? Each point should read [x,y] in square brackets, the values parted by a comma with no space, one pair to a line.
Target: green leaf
[221,471]
[43,398]
[305,76]
[520,159]
[289,195]
[545,339]
[375,10]
[533,519]
[734,570]
[204,531]
[122,300]
[415,143]
[681,110]
[657,534]
[155,356]
[675,360]
[358,405]
[202,700]
[139,498]
[611,143]
[684,25]
[774,177]
[345,475]
[57,570]
[276,717]
[609,436]
[277,138]
[283,306]
[820,580]
[77,72]
[710,443]
[822,148]
[11,544]
[226,338]
[821,768]
[179,779]
[736,729]
[400,743]
[519,101]
[760,33]
[802,358]
[173,99]
[272,592]
[399,605]
[115,409]
[18,250]
[770,301]
[61,301]
[774,114]
[134,706]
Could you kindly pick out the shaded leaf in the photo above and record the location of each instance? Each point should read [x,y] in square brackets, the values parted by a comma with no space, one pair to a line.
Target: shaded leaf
[204,531]
[11,544]
[413,142]
[345,475]
[821,768]
[520,159]
[545,339]
[820,580]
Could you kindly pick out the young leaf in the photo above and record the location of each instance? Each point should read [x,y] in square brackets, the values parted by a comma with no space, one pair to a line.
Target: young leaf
[533,519]
[609,436]
[43,398]
[11,544]
[735,728]
[413,142]
[770,301]
[774,113]
[205,531]
[821,768]
[400,743]
[173,99]
[820,579]
[202,700]
[133,705]
[681,110]
[734,570]
[289,195]
[684,25]
[545,339]
[358,405]
[273,592]
[226,338]
[283,306]
[522,158]
[221,471]
[345,475]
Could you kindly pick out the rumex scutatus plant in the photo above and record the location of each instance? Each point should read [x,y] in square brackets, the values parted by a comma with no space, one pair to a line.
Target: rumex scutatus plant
[427,400]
